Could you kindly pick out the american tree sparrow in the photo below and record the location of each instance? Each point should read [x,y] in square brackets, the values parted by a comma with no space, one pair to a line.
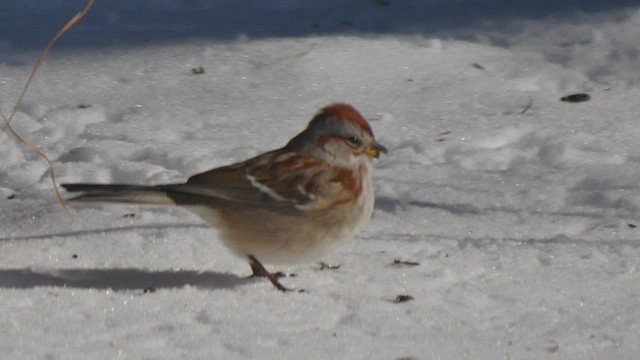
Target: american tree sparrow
[286,206]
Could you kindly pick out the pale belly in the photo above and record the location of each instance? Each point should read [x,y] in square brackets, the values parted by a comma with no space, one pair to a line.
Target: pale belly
[289,239]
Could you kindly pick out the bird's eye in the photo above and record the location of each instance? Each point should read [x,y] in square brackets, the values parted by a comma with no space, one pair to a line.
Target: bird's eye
[354,141]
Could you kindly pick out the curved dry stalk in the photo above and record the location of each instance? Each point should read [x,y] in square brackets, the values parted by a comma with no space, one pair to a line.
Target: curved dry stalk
[37,65]
[44,54]
[38,151]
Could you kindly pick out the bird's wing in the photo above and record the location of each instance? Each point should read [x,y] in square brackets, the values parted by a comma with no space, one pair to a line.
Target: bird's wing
[277,179]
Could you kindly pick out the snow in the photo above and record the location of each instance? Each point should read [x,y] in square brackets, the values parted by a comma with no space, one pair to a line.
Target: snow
[508,216]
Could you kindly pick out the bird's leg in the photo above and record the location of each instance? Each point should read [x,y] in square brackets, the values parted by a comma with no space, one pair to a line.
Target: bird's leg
[259,270]
[256,271]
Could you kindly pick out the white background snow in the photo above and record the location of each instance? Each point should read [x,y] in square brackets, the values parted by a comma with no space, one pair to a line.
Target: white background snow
[513,233]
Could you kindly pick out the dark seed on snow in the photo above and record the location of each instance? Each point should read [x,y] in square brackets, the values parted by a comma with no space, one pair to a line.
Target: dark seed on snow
[404,262]
[403,298]
[576,98]
[197,71]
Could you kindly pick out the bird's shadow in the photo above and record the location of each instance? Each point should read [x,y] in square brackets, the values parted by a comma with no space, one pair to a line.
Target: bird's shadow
[117,279]
[122,279]
[114,279]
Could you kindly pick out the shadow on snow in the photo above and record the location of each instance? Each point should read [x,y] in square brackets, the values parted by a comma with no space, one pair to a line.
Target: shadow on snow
[117,279]
[30,24]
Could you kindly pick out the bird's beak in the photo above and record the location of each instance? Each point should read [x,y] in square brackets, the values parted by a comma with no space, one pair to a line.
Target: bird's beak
[376,149]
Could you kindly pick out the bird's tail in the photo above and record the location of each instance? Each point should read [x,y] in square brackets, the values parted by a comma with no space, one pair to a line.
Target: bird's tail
[123,194]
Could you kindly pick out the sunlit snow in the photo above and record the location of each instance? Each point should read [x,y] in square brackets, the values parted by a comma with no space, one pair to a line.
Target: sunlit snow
[505,219]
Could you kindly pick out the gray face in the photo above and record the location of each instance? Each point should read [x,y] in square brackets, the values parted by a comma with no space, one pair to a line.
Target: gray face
[340,135]
[347,143]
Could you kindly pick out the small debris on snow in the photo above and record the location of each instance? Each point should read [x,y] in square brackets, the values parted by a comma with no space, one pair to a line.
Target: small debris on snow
[576,98]
[325,266]
[197,71]
[398,262]
[402,298]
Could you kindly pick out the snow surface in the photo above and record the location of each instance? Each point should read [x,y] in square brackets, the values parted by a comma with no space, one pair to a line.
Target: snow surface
[505,217]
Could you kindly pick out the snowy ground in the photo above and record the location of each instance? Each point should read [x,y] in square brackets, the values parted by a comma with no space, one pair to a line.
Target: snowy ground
[508,216]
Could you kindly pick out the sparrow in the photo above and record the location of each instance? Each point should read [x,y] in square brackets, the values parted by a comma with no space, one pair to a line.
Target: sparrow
[291,205]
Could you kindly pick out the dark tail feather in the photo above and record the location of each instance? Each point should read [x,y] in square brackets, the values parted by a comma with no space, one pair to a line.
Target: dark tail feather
[124,194]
